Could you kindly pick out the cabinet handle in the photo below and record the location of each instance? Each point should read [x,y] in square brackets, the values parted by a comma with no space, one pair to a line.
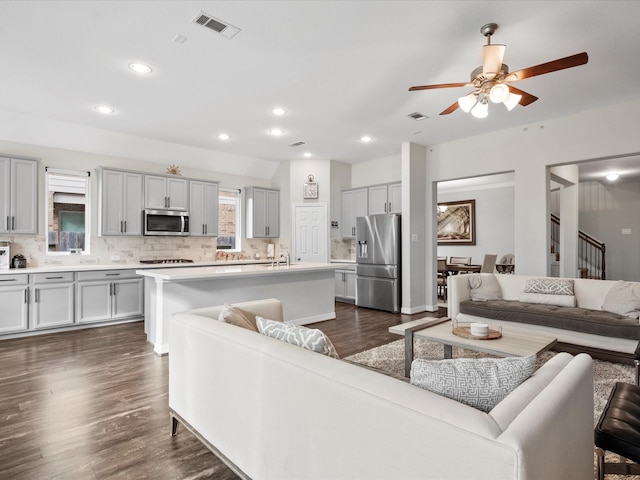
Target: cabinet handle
[111,274]
[8,227]
[26,295]
[13,222]
[125,226]
[7,279]
[120,226]
[53,278]
[389,207]
[37,295]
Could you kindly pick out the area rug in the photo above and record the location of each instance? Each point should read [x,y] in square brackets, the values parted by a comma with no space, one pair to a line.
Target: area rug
[390,358]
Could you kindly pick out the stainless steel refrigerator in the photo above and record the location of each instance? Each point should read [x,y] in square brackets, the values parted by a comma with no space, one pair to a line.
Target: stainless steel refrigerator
[378,262]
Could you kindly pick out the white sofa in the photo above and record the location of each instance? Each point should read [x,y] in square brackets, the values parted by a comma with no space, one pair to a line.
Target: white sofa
[276,411]
[589,294]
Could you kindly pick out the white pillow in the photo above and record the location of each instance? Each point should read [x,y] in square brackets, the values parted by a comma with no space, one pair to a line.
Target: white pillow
[309,338]
[549,299]
[483,287]
[480,383]
[236,316]
[623,299]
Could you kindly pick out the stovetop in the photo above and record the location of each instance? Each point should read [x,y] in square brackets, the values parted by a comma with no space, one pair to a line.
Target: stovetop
[168,260]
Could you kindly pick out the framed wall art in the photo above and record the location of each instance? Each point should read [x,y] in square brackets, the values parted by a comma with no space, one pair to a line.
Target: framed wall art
[310,188]
[457,223]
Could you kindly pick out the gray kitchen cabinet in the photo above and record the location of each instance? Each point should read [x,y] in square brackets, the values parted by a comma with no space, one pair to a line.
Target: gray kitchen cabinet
[109,295]
[354,204]
[19,195]
[52,296]
[120,208]
[262,206]
[385,199]
[203,209]
[345,286]
[166,192]
[14,303]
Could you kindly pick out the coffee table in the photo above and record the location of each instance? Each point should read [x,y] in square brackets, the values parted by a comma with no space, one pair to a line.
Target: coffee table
[514,342]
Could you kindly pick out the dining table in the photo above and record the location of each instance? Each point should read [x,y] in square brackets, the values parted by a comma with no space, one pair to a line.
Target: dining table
[455,268]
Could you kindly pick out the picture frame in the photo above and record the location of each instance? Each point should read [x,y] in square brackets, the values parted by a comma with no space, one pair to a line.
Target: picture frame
[457,223]
[310,188]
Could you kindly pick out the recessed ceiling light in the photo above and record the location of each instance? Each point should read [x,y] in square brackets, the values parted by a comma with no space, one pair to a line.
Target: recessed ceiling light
[612,177]
[140,68]
[366,139]
[224,136]
[276,132]
[306,154]
[105,109]
[278,111]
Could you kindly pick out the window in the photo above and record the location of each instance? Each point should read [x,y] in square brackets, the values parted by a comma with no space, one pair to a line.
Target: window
[229,220]
[68,209]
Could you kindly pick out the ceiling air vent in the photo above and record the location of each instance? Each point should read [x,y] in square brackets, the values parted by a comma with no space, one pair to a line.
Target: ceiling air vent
[215,24]
[298,144]
[417,116]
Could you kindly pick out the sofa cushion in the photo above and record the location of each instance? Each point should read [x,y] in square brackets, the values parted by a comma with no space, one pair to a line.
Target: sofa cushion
[309,338]
[554,286]
[597,322]
[236,316]
[480,383]
[624,299]
[483,287]
[549,299]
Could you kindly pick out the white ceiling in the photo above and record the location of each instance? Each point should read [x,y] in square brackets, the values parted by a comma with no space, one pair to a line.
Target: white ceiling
[340,68]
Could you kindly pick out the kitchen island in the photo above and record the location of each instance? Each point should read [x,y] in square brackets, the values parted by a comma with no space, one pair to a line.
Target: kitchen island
[306,290]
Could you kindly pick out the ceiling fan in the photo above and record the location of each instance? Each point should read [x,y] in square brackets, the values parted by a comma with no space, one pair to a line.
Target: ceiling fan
[492,81]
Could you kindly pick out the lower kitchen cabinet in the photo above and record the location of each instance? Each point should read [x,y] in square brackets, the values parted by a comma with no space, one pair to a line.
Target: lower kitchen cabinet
[14,303]
[52,300]
[345,286]
[109,295]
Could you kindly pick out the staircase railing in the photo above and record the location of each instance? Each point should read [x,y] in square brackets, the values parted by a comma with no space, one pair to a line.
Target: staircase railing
[591,251]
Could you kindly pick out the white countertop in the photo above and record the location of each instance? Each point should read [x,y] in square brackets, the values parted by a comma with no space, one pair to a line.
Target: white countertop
[199,273]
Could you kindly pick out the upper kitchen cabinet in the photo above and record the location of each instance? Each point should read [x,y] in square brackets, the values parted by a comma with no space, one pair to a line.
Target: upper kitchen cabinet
[262,206]
[354,204]
[19,195]
[203,209]
[162,192]
[120,208]
[385,199]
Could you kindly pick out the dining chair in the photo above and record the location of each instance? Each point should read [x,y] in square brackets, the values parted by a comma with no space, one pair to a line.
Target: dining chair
[507,259]
[489,263]
[442,277]
[460,260]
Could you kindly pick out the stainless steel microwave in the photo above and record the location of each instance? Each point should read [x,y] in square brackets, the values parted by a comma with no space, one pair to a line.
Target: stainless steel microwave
[166,222]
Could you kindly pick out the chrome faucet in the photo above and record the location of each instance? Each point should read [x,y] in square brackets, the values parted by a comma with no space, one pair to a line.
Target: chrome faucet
[287,258]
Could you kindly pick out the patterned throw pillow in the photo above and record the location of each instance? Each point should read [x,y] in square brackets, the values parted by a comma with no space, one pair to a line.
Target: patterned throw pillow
[480,383]
[623,299]
[236,316]
[309,338]
[553,286]
[483,287]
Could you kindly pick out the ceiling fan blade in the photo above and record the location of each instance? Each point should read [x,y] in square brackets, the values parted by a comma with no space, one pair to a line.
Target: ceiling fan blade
[450,109]
[441,85]
[526,99]
[492,56]
[553,66]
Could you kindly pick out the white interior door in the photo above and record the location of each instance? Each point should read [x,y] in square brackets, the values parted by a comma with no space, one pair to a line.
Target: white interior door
[310,233]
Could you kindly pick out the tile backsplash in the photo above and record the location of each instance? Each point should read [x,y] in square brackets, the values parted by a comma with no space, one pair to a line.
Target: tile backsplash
[343,249]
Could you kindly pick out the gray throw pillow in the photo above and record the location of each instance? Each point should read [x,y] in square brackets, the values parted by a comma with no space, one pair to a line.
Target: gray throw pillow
[623,299]
[480,383]
[483,287]
[550,286]
[309,338]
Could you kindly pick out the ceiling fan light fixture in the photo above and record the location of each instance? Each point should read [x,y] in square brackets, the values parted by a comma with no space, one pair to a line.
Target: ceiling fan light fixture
[467,102]
[511,101]
[499,93]
[481,110]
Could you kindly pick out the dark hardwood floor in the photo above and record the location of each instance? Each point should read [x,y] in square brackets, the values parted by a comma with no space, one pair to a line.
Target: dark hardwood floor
[92,404]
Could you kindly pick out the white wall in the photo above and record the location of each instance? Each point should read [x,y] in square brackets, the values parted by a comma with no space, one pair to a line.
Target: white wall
[340,180]
[377,171]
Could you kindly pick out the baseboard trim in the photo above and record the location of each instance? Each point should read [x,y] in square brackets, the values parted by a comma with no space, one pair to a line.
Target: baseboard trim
[420,309]
[313,319]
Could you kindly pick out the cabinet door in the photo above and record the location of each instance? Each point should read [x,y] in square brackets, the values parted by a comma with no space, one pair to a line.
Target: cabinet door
[339,283]
[196,209]
[210,202]
[112,198]
[52,305]
[272,213]
[5,195]
[259,213]
[94,301]
[14,308]
[350,285]
[132,203]
[155,192]
[394,195]
[24,196]
[361,204]
[177,193]
[128,298]
[348,214]
[378,200]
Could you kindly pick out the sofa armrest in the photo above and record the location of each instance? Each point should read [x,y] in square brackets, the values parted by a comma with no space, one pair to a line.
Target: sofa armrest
[457,291]
[270,308]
